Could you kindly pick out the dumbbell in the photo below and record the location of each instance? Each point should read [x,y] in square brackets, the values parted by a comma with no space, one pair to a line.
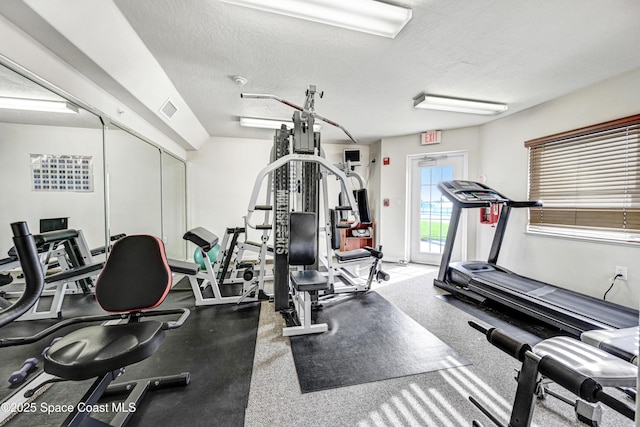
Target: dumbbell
[18,376]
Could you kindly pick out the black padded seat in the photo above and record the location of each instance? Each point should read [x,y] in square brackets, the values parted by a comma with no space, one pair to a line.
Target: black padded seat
[90,352]
[352,255]
[202,237]
[183,267]
[308,281]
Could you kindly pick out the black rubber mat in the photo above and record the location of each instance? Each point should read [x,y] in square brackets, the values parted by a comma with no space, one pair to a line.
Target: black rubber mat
[369,339]
[216,345]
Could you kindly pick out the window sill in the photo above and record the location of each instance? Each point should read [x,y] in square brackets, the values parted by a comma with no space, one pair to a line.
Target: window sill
[607,238]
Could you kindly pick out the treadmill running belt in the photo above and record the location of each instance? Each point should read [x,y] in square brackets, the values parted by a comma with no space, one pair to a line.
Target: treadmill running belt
[583,312]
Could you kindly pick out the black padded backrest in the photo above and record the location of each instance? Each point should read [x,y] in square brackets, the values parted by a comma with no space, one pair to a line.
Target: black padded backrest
[136,275]
[336,238]
[363,205]
[343,201]
[303,238]
[202,237]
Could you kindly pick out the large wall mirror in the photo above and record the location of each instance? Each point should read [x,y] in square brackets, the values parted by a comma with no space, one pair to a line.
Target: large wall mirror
[51,161]
[135,189]
[146,190]
[52,166]
[174,205]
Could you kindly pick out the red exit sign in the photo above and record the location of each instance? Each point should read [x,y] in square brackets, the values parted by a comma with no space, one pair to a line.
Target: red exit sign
[431,137]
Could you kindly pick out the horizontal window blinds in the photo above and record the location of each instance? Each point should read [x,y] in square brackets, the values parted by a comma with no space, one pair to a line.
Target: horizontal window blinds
[588,179]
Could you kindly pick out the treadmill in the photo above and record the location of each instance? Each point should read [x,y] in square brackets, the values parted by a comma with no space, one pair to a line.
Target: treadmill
[480,281]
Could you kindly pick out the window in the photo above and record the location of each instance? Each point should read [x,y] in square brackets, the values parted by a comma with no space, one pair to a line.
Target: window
[589,181]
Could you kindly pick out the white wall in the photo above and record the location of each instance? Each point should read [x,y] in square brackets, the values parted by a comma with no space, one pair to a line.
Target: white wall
[20,203]
[392,220]
[220,179]
[579,265]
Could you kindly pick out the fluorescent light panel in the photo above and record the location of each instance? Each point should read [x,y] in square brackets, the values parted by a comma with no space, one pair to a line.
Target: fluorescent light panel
[37,105]
[459,105]
[252,122]
[367,16]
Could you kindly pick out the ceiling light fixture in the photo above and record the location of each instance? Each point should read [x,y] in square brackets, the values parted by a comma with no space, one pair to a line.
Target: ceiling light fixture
[367,16]
[37,105]
[252,122]
[459,105]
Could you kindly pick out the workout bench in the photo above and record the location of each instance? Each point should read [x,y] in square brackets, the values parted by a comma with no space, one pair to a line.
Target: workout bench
[304,284]
[202,280]
[578,367]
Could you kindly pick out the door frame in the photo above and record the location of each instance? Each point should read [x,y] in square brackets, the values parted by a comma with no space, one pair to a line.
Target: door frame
[462,231]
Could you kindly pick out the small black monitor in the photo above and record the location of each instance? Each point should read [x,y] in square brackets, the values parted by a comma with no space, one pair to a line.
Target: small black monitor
[352,156]
[53,224]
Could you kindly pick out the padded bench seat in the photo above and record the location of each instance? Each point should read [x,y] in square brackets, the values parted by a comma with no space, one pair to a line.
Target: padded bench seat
[201,237]
[352,255]
[605,368]
[183,267]
[93,350]
[308,281]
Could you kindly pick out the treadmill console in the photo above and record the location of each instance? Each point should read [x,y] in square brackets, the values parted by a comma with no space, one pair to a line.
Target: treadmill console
[470,193]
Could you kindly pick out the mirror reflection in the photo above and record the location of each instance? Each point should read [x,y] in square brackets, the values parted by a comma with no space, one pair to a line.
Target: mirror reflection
[51,161]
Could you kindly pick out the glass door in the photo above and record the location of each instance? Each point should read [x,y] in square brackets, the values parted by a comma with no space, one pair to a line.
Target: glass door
[430,211]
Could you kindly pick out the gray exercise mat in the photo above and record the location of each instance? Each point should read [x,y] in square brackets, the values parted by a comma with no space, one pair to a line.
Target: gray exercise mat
[369,339]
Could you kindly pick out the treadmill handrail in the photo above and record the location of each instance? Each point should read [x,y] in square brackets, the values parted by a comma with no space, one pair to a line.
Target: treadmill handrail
[524,203]
[473,203]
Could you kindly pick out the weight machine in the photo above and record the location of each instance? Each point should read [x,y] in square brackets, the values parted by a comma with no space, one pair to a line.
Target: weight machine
[298,175]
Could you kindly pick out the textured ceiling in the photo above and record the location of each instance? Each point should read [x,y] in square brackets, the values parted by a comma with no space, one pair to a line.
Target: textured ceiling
[520,52]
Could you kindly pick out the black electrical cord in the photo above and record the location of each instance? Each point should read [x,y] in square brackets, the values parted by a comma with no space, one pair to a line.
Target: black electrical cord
[613,282]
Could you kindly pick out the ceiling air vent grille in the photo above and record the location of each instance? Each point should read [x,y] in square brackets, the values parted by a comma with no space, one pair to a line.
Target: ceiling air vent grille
[168,109]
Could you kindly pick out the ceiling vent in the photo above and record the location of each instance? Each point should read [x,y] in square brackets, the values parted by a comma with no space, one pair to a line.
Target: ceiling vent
[168,109]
